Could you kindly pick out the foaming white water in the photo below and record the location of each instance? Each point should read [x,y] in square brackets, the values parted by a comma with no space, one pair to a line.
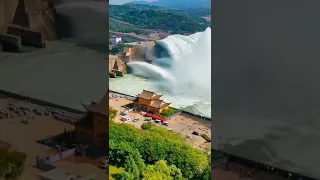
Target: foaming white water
[190,71]
[192,68]
[187,79]
[151,71]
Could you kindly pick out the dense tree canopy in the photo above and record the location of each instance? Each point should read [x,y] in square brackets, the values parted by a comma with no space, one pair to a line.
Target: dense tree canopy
[157,18]
[154,153]
[119,48]
[125,28]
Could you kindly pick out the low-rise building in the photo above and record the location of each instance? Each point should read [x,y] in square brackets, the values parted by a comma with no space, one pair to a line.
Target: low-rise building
[116,39]
[94,127]
[149,101]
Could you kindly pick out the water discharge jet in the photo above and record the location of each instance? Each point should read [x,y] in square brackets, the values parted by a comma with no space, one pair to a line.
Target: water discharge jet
[185,72]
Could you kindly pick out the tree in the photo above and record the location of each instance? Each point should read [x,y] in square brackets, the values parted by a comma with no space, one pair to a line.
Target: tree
[166,20]
[147,126]
[176,173]
[122,154]
[161,170]
[124,176]
[156,145]
[112,114]
[132,168]
[11,164]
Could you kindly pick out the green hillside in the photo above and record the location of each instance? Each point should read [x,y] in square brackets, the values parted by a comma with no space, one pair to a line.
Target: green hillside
[151,17]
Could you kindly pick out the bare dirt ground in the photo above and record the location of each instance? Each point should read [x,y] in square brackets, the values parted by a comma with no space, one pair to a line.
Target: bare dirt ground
[23,137]
[239,172]
[183,124]
[82,166]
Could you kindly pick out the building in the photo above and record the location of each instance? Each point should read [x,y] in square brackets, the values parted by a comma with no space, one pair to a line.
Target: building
[149,101]
[94,126]
[115,39]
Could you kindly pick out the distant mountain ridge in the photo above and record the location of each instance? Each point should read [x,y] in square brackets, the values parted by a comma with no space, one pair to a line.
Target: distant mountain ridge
[177,3]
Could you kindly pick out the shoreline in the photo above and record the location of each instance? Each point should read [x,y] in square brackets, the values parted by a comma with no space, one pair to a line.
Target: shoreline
[182,111]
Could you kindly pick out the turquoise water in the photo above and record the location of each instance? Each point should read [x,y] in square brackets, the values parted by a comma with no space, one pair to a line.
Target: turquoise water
[132,85]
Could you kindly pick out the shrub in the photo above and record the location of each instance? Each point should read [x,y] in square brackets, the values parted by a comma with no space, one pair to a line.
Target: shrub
[168,112]
[112,114]
[206,137]
[147,126]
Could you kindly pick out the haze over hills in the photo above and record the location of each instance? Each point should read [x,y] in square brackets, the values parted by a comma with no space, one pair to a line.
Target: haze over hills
[177,3]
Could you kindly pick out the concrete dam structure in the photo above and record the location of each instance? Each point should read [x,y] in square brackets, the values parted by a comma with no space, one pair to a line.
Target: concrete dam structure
[33,21]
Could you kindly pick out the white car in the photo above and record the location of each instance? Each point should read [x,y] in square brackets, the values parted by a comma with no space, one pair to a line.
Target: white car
[127,118]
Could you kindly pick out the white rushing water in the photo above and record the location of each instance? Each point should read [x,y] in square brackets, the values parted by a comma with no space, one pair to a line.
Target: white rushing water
[186,83]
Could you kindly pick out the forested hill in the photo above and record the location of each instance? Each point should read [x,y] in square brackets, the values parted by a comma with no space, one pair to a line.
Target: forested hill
[152,17]
[177,3]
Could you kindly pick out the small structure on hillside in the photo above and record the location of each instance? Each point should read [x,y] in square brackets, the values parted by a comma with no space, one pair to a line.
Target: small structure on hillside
[149,101]
[93,127]
[116,39]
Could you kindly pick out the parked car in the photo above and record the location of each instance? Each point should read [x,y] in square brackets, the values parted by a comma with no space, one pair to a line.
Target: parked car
[196,133]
